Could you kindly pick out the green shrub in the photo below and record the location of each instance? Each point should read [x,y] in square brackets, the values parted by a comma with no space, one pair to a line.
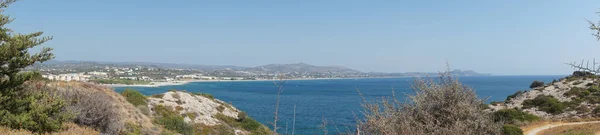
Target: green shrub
[536,83]
[246,123]
[172,120]
[485,106]
[204,95]
[578,92]
[582,74]
[158,95]
[596,111]
[518,93]
[511,130]
[131,129]
[545,103]
[496,102]
[510,116]
[594,88]
[38,112]
[134,97]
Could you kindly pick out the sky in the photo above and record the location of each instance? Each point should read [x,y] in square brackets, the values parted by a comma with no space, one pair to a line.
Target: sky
[502,37]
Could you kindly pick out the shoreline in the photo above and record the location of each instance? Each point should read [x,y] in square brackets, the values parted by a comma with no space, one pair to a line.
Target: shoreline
[183,82]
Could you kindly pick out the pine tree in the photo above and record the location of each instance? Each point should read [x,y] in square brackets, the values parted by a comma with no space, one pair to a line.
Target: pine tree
[36,111]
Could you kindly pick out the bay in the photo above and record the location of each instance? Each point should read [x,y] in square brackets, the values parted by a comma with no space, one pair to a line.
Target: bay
[334,100]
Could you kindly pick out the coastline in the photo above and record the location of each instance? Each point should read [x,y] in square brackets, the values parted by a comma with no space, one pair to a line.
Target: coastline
[183,82]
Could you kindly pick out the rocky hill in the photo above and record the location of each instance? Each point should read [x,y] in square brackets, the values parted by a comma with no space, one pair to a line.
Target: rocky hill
[576,96]
[204,110]
[99,109]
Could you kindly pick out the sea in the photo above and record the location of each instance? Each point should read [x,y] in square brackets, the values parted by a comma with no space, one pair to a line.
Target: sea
[335,102]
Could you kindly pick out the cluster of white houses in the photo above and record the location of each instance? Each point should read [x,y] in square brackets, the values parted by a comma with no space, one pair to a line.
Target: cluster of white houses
[83,76]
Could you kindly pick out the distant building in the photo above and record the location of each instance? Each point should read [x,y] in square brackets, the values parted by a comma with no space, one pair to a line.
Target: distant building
[129,78]
[68,77]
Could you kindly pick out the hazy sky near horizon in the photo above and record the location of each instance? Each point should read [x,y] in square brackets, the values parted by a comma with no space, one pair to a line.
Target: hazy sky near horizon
[533,37]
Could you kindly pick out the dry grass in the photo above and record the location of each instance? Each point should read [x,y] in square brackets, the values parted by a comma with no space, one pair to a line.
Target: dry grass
[582,129]
[69,129]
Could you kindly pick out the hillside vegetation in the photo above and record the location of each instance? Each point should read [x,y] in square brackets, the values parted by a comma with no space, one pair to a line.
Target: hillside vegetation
[576,96]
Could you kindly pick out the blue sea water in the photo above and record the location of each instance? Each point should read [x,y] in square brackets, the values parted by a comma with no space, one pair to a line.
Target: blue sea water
[335,100]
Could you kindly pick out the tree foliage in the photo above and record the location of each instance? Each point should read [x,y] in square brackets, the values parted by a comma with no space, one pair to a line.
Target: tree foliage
[36,111]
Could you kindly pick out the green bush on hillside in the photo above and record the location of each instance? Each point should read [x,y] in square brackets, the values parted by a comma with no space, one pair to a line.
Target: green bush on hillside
[545,103]
[582,74]
[596,111]
[134,97]
[246,123]
[536,84]
[594,88]
[511,130]
[204,95]
[172,120]
[578,92]
[518,93]
[38,110]
[512,116]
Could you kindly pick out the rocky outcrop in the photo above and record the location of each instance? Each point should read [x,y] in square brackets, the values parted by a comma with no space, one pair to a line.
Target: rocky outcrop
[196,108]
[557,90]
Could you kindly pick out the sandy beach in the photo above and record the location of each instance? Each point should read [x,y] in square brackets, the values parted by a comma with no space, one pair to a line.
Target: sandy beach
[183,82]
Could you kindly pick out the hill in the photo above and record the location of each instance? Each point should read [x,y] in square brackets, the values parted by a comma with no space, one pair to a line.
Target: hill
[576,96]
[302,68]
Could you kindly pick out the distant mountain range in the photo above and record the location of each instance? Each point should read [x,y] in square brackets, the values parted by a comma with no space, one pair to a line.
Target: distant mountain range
[270,68]
[300,67]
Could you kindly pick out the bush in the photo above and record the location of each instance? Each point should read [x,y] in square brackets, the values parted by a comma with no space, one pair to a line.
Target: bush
[204,95]
[536,84]
[93,108]
[596,111]
[511,130]
[172,120]
[158,96]
[512,116]
[518,93]
[582,109]
[37,110]
[545,103]
[582,74]
[246,123]
[438,106]
[131,129]
[134,97]
[241,116]
[578,92]
[594,88]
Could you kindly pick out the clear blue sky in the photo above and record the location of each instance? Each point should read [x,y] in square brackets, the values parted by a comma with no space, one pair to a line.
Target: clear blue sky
[492,36]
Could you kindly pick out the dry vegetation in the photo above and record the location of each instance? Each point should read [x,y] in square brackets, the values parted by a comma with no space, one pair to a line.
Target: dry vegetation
[441,106]
[97,107]
[583,129]
[68,129]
